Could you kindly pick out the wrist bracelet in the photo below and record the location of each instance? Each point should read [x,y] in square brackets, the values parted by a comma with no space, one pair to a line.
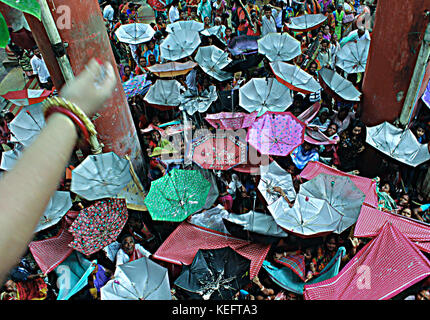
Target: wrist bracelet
[78,122]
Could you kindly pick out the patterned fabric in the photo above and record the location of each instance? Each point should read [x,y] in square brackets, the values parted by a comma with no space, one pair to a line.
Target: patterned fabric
[36,289]
[301,158]
[276,133]
[183,243]
[296,263]
[51,252]
[98,225]
[386,266]
[368,186]
[371,220]
[231,121]
[136,85]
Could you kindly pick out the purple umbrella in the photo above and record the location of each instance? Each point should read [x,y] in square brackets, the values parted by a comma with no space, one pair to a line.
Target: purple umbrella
[231,120]
[243,45]
[276,133]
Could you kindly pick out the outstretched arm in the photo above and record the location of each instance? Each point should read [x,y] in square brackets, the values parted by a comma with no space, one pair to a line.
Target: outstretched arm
[25,191]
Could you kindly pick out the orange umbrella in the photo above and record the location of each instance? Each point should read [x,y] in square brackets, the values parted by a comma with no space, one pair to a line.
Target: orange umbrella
[172,69]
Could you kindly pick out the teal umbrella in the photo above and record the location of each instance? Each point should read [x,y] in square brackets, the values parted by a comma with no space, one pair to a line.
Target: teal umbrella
[177,195]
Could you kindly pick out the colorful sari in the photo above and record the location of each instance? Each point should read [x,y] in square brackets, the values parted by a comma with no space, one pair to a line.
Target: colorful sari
[36,289]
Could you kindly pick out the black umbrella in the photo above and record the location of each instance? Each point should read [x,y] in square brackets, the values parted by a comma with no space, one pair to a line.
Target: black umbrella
[228,100]
[215,274]
[243,45]
[244,62]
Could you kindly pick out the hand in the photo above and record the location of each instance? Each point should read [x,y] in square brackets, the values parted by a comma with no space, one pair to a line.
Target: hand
[277,189]
[91,88]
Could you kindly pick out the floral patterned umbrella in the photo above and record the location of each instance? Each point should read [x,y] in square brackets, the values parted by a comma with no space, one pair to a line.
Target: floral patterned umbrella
[276,133]
[231,120]
[136,85]
[98,225]
[177,195]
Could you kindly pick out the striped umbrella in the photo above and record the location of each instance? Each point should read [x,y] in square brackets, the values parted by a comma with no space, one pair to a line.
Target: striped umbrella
[27,96]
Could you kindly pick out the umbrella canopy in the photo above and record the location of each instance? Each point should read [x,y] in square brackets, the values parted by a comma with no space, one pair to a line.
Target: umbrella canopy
[27,124]
[98,225]
[276,133]
[317,137]
[306,22]
[172,69]
[264,94]
[179,44]
[294,77]
[164,93]
[216,31]
[272,176]
[212,59]
[337,84]
[219,152]
[211,219]
[27,96]
[244,62]
[201,102]
[136,85]
[9,158]
[228,100]
[324,204]
[279,47]
[190,25]
[134,33]
[215,274]
[141,279]
[59,204]
[398,144]
[100,176]
[352,57]
[243,45]
[177,195]
[213,191]
[231,120]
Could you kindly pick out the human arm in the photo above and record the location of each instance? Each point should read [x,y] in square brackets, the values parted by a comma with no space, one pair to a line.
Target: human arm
[282,193]
[25,191]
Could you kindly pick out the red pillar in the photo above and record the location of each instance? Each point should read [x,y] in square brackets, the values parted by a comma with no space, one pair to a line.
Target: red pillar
[396,41]
[87,38]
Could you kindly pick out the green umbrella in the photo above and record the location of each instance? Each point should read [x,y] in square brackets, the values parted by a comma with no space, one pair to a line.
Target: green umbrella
[177,195]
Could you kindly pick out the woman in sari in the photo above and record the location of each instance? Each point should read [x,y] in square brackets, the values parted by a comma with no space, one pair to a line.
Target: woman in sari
[35,289]
[130,250]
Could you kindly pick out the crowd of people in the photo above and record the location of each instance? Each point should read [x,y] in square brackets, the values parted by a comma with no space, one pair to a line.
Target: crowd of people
[399,187]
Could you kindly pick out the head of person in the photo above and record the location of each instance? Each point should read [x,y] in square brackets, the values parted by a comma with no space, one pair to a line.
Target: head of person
[332,129]
[423,294]
[128,244]
[313,66]
[358,130]
[404,200]
[407,212]
[342,114]
[151,60]
[151,45]
[9,116]
[159,20]
[339,8]
[307,146]
[142,61]
[331,243]
[36,52]
[228,31]
[291,296]
[182,15]
[267,11]
[325,44]
[361,31]
[206,20]
[217,21]
[385,187]
[127,70]
[326,30]
[420,130]
[175,3]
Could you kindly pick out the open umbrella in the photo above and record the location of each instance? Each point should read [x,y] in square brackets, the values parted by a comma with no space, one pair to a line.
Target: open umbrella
[401,145]
[179,44]
[324,204]
[136,85]
[190,25]
[100,176]
[59,204]
[172,69]
[219,152]
[306,22]
[177,195]
[243,45]
[264,94]
[243,63]
[294,77]
[276,133]
[164,93]
[228,100]
[217,33]
[231,120]
[27,96]
[134,33]
[212,59]
[192,103]
[213,191]
[352,57]
[98,225]
[9,158]
[337,84]
[272,176]
[279,47]
[141,279]
[26,126]
[211,219]
[215,274]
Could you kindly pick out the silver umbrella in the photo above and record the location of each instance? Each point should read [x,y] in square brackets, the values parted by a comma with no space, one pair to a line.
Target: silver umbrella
[352,57]
[185,25]
[59,204]
[26,126]
[398,144]
[179,44]
[306,22]
[339,85]
[264,94]
[9,158]
[212,59]
[140,279]
[134,33]
[279,47]
[192,103]
[164,93]
[100,176]
[217,31]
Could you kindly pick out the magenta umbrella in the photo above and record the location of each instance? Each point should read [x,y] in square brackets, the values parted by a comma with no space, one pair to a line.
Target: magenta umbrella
[276,133]
[231,120]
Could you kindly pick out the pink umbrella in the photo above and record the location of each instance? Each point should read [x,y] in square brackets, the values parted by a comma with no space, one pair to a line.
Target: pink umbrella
[219,152]
[276,133]
[231,121]
[27,97]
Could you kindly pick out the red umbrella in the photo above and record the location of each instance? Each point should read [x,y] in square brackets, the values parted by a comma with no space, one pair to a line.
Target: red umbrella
[27,96]
[98,225]
[219,152]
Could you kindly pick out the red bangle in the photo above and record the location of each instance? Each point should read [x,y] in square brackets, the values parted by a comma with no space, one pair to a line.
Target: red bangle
[77,121]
